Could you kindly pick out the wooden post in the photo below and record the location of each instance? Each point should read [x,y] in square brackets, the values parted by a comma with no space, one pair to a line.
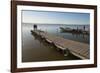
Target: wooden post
[66,52]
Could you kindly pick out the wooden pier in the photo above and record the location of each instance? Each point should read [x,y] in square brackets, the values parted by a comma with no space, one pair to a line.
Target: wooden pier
[78,49]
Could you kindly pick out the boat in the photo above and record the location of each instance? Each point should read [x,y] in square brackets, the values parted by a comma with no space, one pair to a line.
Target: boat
[77,31]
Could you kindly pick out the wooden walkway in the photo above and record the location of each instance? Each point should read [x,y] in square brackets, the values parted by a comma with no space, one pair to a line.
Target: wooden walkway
[78,49]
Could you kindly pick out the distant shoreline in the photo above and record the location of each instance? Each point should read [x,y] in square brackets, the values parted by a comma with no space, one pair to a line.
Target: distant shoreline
[57,24]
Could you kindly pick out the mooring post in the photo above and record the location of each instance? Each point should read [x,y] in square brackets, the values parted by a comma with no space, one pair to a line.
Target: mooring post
[66,52]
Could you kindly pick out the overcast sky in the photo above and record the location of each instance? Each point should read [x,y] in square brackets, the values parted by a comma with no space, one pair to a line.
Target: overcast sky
[55,17]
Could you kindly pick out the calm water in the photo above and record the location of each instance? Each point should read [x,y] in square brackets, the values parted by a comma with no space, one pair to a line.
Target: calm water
[34,49]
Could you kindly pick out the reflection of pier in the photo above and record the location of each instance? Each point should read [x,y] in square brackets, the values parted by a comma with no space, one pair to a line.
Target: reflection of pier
[80,50]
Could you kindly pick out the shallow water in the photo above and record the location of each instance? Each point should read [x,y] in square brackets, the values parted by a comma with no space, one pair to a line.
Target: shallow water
[34,49]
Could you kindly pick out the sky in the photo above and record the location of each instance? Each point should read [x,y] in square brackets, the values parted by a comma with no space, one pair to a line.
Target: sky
[51,17]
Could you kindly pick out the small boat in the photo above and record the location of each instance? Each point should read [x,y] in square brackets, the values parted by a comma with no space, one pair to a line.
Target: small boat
[66,29]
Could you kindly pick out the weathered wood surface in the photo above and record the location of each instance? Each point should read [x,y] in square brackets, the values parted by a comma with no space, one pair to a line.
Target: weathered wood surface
[77,48]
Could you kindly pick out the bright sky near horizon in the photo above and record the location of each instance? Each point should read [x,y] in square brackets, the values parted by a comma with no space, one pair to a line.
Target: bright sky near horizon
[55,17]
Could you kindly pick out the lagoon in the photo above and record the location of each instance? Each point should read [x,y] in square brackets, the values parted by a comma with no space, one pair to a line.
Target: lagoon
[33,49]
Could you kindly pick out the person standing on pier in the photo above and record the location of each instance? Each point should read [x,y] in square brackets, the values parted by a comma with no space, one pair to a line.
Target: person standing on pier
[35,27]
[84,27]
[77,29]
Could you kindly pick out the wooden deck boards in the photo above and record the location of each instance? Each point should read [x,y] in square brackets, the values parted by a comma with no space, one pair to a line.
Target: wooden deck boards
[77,48]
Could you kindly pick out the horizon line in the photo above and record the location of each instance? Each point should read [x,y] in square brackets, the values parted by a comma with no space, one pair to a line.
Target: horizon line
[54,23]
